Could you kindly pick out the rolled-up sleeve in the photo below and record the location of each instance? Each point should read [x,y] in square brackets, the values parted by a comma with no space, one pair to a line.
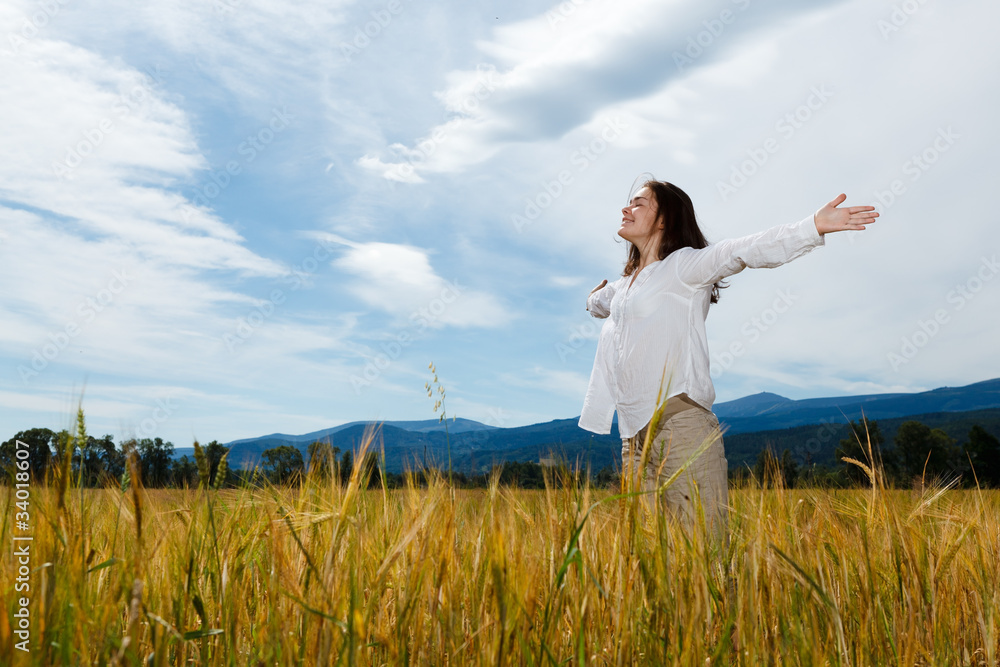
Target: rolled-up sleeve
[599,303]
[763,250]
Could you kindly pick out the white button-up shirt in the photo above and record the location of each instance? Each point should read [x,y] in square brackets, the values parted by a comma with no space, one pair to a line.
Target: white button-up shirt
[653,344]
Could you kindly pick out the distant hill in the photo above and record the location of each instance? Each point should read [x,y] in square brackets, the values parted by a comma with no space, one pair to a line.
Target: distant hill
[751,406]
[816,443]
[750,414]
[749,422]
[406,449]
[457,425]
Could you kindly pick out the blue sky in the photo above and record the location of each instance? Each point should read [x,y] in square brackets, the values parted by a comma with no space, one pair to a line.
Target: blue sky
[230,218]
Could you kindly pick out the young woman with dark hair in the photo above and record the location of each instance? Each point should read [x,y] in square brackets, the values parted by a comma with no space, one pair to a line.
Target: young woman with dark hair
[652,362]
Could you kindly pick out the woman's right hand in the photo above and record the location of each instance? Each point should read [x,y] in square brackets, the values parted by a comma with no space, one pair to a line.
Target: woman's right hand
[601,286]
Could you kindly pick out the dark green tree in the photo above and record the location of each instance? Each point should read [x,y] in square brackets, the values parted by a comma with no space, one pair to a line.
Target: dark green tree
[322,457]
[282,463]
[770,470]
[87,464]
[98,460]
[214,451]
[523,474]
[155,459]
[925,453]
[185,472]
[39,451]
[606,477]
[346,466]
[984,452]
[112,457]
[789,470]
[864,434]
[371,470]
[767,467]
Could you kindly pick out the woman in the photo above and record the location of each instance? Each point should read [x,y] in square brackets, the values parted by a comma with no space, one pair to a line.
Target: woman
[652,363]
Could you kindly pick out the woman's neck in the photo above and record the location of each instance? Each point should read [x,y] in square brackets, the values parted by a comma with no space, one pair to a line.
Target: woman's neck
[648,253]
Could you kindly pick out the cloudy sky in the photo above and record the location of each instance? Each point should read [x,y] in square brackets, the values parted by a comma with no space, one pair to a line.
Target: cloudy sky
[230,218]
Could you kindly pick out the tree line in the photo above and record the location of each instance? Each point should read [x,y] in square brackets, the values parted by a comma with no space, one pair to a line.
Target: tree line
[917,453]
[286,462]
[98,462]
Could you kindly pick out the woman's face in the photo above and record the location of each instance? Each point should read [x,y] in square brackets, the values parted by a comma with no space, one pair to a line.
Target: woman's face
[639,218]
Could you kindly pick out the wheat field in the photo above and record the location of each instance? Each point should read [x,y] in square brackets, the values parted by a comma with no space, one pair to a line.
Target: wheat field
[317,573]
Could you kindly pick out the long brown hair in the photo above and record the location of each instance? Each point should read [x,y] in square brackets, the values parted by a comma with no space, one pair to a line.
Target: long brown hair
[680,227]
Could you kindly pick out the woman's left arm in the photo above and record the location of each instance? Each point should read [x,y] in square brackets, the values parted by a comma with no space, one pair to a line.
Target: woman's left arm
[599,299]
[771,247]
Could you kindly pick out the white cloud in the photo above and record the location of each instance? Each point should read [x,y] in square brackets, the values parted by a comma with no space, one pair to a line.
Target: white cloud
[560,382]
[549,77]
[95,143]
[248,47]
[566,281]
[398,279]
[116,273]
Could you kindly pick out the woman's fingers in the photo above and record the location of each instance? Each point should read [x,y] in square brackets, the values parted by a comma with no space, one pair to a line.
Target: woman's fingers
[833,219]
[857,216]
[603,283]
[858,224]
[863,218]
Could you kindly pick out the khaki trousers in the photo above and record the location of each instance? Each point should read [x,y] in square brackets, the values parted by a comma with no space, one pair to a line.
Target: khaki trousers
[702,487]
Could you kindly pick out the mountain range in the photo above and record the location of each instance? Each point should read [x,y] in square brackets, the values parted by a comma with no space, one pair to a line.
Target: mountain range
[749,423]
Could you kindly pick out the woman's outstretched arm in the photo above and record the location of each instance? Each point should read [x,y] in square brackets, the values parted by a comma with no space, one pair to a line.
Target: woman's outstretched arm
[771,247]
